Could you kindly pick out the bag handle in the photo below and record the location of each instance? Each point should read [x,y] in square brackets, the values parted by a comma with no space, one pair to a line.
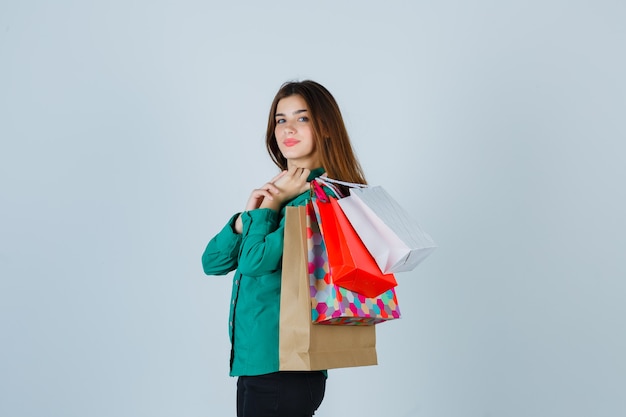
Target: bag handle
[318,192]
[328,181]
[330,185]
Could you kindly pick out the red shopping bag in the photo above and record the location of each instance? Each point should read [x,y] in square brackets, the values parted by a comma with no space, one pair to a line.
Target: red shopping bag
[351,265]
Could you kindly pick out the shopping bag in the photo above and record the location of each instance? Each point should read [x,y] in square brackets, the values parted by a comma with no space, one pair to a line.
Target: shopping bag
[351,264]
[304,346]
[333,304]
[392,236]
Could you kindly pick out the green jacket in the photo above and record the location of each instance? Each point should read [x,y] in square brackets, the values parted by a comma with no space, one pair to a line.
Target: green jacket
[255,300]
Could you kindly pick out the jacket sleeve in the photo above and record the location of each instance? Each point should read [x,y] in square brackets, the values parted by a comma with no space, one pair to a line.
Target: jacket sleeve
[221,253]
[261,249]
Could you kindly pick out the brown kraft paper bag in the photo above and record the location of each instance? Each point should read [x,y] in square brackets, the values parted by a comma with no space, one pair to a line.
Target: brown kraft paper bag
[304,346]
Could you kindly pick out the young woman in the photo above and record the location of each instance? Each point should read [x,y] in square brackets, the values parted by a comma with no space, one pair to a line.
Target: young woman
[306,137]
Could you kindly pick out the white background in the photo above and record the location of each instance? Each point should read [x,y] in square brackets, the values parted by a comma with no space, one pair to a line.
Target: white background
[131,131]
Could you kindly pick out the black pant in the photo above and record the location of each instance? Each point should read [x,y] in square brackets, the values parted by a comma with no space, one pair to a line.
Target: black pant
[280,394]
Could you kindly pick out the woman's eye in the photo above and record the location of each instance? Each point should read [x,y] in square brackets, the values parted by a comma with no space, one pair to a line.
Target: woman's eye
[303,119]
[280,121]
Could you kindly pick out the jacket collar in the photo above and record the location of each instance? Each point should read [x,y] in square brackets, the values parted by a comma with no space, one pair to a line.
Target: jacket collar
[315,173]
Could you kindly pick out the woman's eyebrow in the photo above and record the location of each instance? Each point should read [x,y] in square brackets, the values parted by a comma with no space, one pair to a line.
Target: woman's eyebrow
[295,112]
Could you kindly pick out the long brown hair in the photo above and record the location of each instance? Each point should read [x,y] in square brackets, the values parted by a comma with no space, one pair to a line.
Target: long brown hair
[329,131]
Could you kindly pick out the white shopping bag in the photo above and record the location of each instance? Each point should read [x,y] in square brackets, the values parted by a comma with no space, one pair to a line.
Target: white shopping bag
[394,239]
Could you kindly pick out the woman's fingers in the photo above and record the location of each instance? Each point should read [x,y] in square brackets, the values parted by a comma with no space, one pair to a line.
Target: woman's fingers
[271,188]
[256,198]
[267,192]
[294,174]
[286,185]
[282,173]
[299,172]
[304,174]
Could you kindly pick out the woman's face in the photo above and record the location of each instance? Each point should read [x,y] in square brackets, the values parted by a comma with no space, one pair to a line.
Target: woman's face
[294,134]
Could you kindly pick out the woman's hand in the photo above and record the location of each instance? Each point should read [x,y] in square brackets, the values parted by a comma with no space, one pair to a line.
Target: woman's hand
[282,188]
[289,184]
[267,191]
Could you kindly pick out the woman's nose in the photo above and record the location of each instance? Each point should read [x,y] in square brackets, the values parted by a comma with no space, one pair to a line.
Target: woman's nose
[289,128]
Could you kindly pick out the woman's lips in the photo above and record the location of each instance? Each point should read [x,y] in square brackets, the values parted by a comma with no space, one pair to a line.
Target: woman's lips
[290,142]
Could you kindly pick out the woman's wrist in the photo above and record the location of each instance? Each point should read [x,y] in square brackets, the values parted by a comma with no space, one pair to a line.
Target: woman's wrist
[273,204]
[238,226]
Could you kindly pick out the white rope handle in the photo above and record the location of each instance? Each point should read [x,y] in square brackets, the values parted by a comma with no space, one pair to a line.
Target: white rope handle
[333,187]
[347,184]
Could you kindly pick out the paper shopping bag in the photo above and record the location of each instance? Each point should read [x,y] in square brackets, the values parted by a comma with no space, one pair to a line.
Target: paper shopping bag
[394,239]
[304,346]
[333,304]
[351,264]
